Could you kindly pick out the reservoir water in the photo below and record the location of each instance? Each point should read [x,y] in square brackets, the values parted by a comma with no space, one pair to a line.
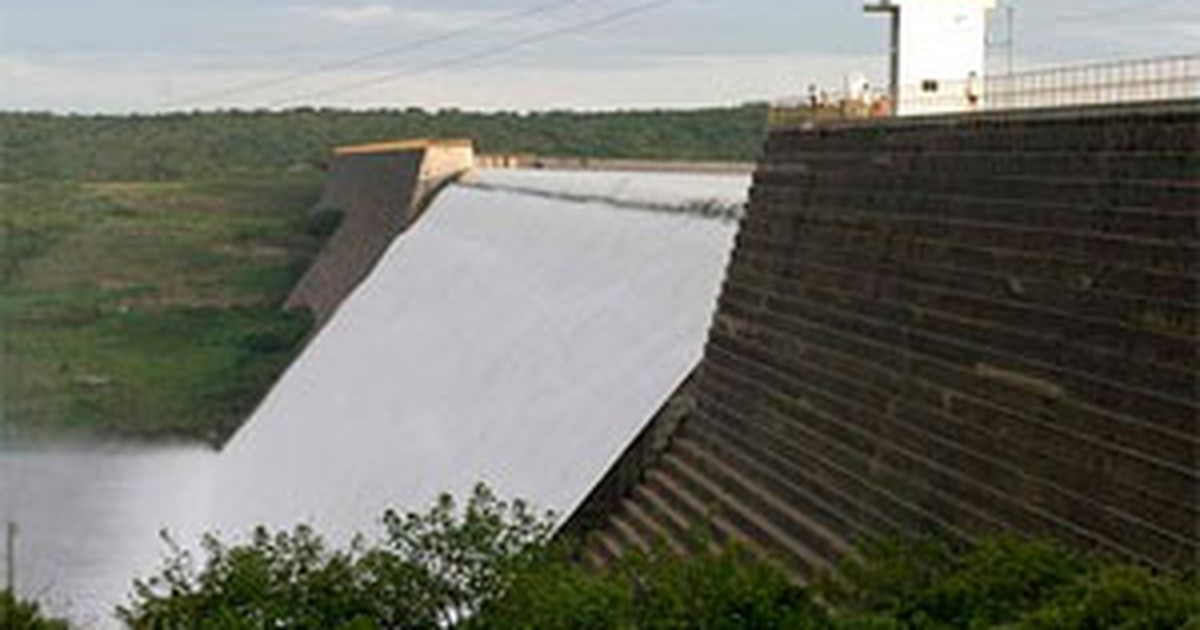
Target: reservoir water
[518,339]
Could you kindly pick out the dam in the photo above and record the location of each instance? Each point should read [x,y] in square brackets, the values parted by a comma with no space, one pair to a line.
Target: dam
[520,332]
[510,338]
[965,325]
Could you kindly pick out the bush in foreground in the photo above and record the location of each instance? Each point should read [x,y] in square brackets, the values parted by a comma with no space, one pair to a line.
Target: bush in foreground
[1002,583]
[490,566]
[428,571]
[725,589]
[20,615]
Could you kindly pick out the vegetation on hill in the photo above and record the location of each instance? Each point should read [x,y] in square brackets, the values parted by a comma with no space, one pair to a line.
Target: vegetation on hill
[147,310]
[143,258]
[492,566]
[186,146]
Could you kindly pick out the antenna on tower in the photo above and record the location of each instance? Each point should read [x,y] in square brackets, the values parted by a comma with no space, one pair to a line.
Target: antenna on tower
[1009,43]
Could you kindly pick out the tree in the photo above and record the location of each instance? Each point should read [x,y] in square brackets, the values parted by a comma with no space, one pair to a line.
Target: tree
[428,571]
[20,615]
[205,145]
[489,567]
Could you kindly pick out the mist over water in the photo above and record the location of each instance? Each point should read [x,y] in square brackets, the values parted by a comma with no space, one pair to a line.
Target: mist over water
[89,519]
[517,340]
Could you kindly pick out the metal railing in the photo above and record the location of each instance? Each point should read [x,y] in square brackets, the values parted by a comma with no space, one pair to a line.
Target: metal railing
[1147,80]
[1140,81]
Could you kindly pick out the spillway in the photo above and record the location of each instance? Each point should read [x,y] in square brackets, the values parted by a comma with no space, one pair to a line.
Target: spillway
[515,339]
[521,334]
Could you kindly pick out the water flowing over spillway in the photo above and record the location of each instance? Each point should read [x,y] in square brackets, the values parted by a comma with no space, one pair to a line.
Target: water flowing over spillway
[516,338]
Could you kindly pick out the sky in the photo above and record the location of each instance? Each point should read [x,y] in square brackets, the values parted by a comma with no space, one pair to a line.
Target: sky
[163,55]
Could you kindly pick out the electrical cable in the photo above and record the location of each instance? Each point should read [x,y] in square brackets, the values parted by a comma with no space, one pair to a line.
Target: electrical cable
[603,20]
[1111,12]
[254,86]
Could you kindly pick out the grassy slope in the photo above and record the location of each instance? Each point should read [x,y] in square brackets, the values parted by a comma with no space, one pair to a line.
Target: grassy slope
[146,310]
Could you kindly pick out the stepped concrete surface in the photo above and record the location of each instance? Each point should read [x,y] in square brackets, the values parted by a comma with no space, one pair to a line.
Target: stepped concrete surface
[965,325]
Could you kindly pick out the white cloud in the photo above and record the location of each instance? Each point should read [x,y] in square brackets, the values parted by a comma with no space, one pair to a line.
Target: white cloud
[372,15]
[361,15]
[13,69]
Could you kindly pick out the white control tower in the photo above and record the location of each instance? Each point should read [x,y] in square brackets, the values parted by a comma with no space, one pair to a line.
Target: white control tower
[939,48]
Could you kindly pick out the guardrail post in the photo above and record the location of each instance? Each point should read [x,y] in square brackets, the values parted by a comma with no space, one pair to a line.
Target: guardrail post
[10,557]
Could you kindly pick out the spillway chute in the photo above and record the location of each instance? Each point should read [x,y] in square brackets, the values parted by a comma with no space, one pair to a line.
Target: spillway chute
[522,340]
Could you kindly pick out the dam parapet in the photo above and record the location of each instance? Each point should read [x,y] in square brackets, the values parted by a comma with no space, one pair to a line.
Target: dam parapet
[379,190]
[963,325]
[522,161]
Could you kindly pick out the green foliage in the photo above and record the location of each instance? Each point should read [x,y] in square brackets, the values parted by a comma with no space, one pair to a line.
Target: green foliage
[1121,597]
[32,217]
[1001,582]
[20,615]
[487,565]
[147,310]
[427,571]
[490,566]
[173,147]
[19,244]
[323,222]
[716,590]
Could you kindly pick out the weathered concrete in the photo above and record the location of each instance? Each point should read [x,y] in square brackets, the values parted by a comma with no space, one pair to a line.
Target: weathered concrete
[380,189]
[961,325]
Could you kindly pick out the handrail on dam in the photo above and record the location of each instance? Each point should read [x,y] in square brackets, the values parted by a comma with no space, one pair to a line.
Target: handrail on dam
[1138,81]
[1160,79]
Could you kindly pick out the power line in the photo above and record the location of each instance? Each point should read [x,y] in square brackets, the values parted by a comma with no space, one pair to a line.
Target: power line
[603,20]
[1111,12]
[254,86]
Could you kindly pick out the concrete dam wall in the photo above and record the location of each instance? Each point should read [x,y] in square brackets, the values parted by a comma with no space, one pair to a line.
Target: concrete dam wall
[522,339]
[957,325]
[380,190]
[511,338]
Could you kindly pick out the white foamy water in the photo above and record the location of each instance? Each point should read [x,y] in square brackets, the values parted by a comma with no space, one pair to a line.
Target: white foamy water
[512,339]
[667,189]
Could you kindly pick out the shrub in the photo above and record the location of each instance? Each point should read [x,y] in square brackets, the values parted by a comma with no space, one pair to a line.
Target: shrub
[428,571]
[275,333]
[725,589]
[20,615]
[490,566]
[1002,582]
[323,222]
[1119,596]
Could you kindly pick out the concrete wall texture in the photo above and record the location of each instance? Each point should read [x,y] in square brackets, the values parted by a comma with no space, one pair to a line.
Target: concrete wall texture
[380,190]
[964,325]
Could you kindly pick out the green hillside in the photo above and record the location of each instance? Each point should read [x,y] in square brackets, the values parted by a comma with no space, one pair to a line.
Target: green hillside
[143,259]
[147,310]
[187,146]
